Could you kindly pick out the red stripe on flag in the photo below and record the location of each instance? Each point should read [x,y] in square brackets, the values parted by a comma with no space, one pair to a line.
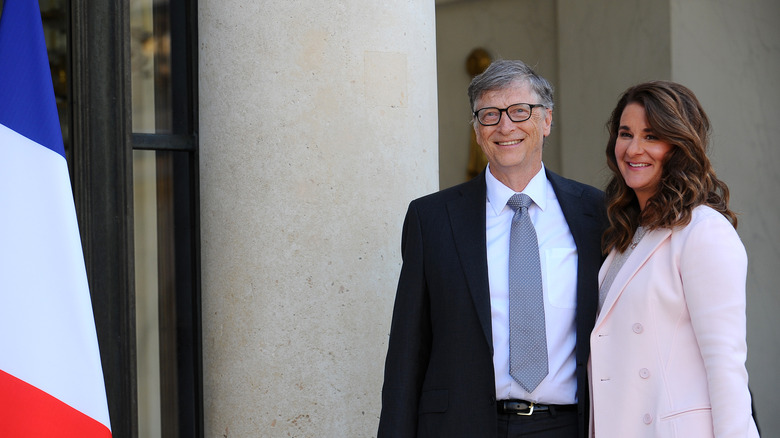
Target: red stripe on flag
[26,411]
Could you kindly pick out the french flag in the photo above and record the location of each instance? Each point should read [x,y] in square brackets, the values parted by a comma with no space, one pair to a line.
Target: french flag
[51,380]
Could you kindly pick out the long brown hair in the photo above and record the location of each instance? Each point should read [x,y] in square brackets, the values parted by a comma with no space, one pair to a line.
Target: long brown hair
[687,179]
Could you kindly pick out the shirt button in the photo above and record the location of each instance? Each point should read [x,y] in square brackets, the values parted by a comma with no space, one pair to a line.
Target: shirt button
[647,418]
[638,328]
[644,373]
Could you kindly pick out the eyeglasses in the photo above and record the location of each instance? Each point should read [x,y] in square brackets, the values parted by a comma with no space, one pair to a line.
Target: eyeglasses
[519,112]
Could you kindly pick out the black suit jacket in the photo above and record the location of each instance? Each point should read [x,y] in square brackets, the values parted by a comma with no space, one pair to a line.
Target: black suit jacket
[439,378]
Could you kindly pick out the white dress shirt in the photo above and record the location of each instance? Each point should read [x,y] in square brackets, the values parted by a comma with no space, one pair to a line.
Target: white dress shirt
[558,256]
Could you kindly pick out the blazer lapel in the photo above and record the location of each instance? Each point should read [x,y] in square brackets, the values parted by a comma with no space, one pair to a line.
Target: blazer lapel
[646,247]
[467,216]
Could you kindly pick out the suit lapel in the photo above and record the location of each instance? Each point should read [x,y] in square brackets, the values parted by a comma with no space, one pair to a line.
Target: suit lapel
[574,209]
[582,216]
[467,216]
[641,254]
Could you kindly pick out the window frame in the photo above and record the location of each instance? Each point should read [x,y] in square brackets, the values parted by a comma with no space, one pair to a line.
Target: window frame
[101,170]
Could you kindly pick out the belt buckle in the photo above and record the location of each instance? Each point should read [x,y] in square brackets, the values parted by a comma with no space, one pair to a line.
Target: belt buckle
[530,410]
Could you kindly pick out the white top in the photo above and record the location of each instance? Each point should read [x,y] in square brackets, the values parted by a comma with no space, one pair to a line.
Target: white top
[558,257]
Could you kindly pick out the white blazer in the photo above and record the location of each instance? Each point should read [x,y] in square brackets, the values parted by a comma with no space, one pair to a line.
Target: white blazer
[668,349]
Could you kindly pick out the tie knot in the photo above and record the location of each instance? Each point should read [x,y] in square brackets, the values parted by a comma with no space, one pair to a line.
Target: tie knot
[519,200]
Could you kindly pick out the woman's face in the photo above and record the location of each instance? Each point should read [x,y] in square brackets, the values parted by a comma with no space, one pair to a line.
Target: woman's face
[639,153]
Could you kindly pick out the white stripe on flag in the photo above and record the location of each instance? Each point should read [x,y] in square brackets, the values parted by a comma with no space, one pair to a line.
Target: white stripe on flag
[47,331]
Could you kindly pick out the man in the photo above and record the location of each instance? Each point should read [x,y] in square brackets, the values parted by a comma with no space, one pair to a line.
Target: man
[447,372]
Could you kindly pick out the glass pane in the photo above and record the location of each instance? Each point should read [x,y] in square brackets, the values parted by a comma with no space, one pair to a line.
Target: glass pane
[146,293]
[163,292]
[151,113]
[150,49]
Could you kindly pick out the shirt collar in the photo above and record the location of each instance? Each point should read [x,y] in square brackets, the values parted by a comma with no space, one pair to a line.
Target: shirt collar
[498,194]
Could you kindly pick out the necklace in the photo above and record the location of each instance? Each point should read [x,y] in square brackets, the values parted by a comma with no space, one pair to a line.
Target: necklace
[638,235]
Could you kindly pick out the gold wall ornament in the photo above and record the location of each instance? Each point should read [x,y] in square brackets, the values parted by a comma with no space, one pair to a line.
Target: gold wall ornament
[478,60]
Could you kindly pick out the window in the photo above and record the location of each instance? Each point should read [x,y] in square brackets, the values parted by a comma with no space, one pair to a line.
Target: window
[164,174]
[126,90]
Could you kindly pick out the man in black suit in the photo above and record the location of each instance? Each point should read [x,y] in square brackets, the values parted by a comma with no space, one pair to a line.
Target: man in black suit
[447,368]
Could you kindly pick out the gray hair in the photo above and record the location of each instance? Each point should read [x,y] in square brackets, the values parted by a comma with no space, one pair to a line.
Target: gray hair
[503,74]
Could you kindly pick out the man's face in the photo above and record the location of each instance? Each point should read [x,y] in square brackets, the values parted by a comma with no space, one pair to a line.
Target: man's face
[514,149]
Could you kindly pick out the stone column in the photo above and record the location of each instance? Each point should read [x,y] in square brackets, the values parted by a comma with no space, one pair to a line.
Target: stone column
[317,126]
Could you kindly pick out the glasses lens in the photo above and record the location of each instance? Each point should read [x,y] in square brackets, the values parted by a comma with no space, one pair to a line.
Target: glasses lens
[489,116]
[519,112]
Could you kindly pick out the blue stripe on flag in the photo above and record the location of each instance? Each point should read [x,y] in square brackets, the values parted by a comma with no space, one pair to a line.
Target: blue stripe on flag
[27,103]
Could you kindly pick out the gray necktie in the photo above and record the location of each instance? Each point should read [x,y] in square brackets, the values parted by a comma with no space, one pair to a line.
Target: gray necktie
[527,333]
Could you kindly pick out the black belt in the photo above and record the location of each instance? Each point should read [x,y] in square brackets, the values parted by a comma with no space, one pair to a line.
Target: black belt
[522,407]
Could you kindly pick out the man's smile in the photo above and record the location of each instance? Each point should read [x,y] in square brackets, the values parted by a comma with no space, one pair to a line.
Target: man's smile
[508,143]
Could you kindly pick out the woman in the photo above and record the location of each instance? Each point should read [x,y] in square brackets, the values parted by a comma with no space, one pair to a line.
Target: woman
[668,349]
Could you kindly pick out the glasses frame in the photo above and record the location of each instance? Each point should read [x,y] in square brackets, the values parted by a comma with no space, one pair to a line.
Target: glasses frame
[505,110]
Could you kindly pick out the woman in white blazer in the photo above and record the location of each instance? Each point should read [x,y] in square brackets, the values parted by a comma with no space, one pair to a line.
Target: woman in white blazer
[668,349]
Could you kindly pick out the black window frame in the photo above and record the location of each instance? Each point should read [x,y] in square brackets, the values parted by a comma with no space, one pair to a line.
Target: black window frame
[101,170]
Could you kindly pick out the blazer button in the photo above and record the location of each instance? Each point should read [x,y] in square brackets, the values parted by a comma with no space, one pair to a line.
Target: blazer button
[644,373]
[638,328]
[647,419]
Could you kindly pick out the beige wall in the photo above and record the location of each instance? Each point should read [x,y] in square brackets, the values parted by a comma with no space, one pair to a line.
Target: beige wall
[605,46]
[317,126]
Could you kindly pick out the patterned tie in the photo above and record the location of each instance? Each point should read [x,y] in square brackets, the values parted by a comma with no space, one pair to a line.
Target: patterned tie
[527,333]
